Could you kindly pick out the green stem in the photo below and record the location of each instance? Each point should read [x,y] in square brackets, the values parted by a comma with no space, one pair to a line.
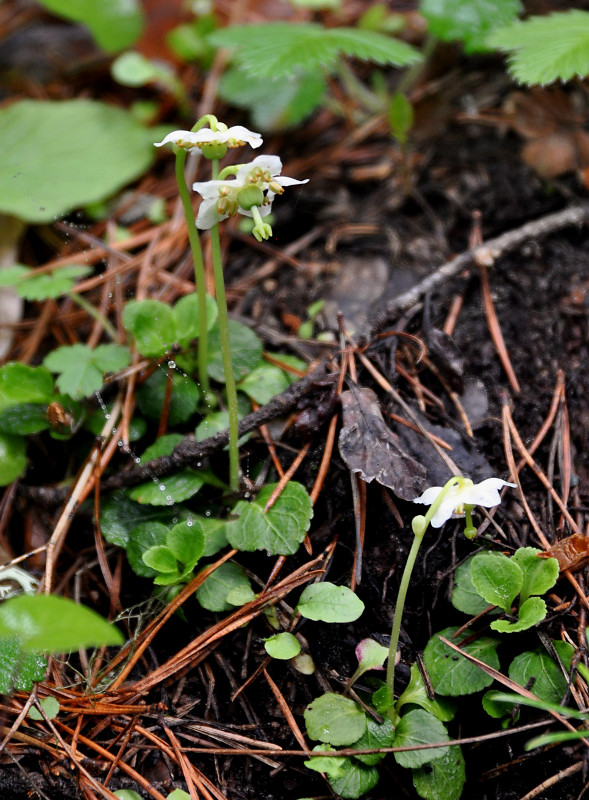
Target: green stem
[223,322]
[199,274]
[93,312]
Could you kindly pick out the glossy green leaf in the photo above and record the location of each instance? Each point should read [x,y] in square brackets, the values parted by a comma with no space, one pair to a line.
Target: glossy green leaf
[13,458]
[540,574]
[329,603]
[264,382]
[46,286]
[416,694]
[169,490]
[282,646]
[376,735]
[468,22]
[213,531]
[120,515]
[326,764]
[24,419]
[19,667]
[335,719]
[279,531]
[186,541]
[152,326]
[443,778]
[45,147]
[465,597]
[497,578]
[453,675]
[356,780]
[241,595]
[20,383]
[246,351]
[549,681]
[415,728]
[141,539]
[54,624]
[213,592]
[50,706]
[186,316]
[160,558]
[184,399]
[530,613]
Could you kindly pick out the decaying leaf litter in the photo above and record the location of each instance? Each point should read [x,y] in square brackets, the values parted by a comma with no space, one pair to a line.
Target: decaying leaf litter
[214,689]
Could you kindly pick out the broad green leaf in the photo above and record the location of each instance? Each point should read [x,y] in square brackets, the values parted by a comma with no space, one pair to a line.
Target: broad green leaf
[282,646]
[213,592]
[493,709]
[453,675]
[141,539]
[24,419]
[81,369]
[549,681]
[469,22]
[329,603]
[13,458]
[160,558]
[19,668]
[335,719]
[416,694]
[184,401]
[47,170]
[111,357]
[152,325]
[186,540]
[264,382]
[55,624]
[246,351]
[186,316]
[163,446]
[241,595]
[45,286]
[375,735]
[545,49]
[442,779]
[213,531]
[279,531]
[497,578]
[134,69]
[20,383]
[169,490]
[120,515]
[540,574]
[465,597]
[530,613]
[278,49]
[330,766]
[419,727]
[50,706]
[115,24]
[127,794]
[218,421]
[357,779]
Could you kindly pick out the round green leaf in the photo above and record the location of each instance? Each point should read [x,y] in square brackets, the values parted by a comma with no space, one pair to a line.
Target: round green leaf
[55,624]
[453,675]
[127,794]
[141,539]
[497,578]
[442,779]
[186,314]
[540,574]
[213,592]
[20,383]
[356,780]
[282,646]
[186,541]
[13,458]
[160,558]
[264,382]
[184,402]
[335,719]
[246,351]
[419,727]
[50,706]
[530,613]
[152,325]
[465,597]
[375,735]
[550,683]
[330,766]
[46,147]
[329,603]
[24,419]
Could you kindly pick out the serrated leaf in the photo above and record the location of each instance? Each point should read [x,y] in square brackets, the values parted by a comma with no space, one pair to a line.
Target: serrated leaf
[356,780]
[141,539]
[442,779]
[550,683]
[468,22]
[263,382]
[81,369]
[333,767]
[329,603]
[13,458]
[419,727]
[453,675]
[279,531]
[152,325]
[20,383]
[186,315]
[54,624]
[111,357]
[530,613]
[545,49]
[45,176]
[335,719]
[45,286]
[246,351]
[376,735]
[416,694]
[19,668]
[213,592]
[282,646]
[465,597]
[540,574]
[497,578]
[278,49]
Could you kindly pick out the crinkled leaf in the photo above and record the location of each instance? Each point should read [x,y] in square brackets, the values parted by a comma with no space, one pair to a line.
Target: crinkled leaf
[186,541]
[356,780]
[55,624]
[453,675]
[19,668]
[47,170]
[186,316]
[530,613]
[13,458]
[419,727]
[184,399]
[540,574]
[264,382]
[443,778]
[465,597]
[279,531]
[545,49]
[24,419]
[278,49]
[282,646]
[469,22]
[416,694]
[376,735]
[329,766]
[550,683]
[44,286]
[213,592]
[329,603]
[246,351]
[20,383]
[152,325]
[497,578]
[335,719]
[141,539]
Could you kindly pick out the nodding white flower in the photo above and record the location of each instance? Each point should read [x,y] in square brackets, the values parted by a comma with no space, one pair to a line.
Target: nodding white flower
[255,185]
[232,137]
[462,497]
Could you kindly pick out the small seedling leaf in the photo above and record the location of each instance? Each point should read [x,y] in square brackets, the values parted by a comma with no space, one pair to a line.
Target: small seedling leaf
[264,382]
[81,369]
[213,592]
[470,22]
[141,539]
[186,540]
[453,675]
[540,574]
[357,779]
[280,530]
[246,351]
[497,578]
[333,767]
[375,735]
[152,325]
[419,727]
[186,315]
[335,719]
[442,779]
[329,603]
[50,706]
[416,694]
[530,613]
[283,646]
[45,286]
[371,654]
[161,559]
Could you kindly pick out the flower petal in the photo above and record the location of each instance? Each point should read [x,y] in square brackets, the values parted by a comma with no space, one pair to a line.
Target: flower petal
[241,134]
[175,137]
[429,495]
[209,190]
[485,493]
[284,181]
[208,215]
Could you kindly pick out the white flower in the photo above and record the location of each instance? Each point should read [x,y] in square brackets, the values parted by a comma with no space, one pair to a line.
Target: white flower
[232,137]
[221,199]
[464,493]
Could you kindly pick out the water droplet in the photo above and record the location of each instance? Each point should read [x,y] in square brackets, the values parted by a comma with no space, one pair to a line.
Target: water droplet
[169,500]
[120,443]
[246,495]
[198,464]
[171,365]
[207,513]
[162,487]
[189,522]
[107,416]
[137,460]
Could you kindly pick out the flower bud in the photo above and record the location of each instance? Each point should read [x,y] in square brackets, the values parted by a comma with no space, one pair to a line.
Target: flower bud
[419,525]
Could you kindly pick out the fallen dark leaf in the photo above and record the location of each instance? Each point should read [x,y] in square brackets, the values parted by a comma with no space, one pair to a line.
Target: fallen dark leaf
[371,449]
